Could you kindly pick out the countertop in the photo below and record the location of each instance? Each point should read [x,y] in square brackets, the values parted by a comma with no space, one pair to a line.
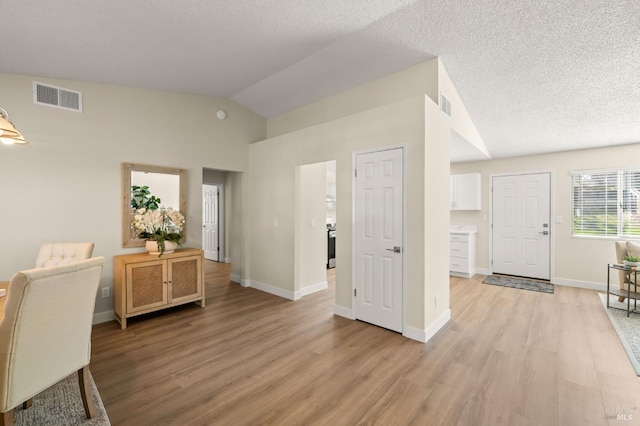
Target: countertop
[463,229]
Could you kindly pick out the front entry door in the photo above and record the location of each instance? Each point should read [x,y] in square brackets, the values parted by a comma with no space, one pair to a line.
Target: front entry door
[379,251]
[210,215]
[521,229]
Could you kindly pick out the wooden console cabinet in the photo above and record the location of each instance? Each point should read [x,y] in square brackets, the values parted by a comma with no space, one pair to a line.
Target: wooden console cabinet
[144,283]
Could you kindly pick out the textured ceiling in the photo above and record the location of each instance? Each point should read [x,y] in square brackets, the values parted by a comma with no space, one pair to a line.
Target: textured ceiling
[535,76]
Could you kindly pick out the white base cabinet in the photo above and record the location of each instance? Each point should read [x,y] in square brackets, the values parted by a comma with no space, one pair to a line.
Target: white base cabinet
[462,253]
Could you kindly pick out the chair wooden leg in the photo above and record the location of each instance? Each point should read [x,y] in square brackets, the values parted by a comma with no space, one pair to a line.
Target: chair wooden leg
[7,419]
[84,379]
[27,404]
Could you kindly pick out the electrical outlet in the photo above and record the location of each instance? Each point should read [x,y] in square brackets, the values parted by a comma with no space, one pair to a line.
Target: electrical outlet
[105,292]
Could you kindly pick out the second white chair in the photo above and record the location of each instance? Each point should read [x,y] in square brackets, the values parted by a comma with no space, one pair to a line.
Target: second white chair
[53,254]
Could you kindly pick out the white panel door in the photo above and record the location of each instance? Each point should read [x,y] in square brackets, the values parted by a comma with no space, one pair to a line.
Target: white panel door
[378,238]
[210,216]
[521,228]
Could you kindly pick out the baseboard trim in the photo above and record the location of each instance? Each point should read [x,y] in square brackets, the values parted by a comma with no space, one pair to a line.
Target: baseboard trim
[268,288]
[580,284]
[342,311]
[461,274]
[236,278]
[438,324]
[414,333]
[305,291]
[483,271]
[100,317]
[477,271]
[423,336]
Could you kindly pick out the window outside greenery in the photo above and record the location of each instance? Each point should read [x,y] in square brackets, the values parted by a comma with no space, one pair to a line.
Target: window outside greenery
[605,203]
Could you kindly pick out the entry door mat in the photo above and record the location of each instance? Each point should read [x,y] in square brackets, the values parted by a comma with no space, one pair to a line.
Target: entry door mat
[628,329]
[521,283]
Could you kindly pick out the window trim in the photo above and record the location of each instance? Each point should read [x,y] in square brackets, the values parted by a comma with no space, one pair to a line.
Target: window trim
[620,210]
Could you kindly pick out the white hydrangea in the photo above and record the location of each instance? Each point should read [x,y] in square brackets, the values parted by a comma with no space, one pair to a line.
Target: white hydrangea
[165,220]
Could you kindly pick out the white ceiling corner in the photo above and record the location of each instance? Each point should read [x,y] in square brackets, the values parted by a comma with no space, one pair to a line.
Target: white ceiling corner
[463,151]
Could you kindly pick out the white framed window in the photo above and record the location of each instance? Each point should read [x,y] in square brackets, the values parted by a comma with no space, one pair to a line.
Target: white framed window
[605,203]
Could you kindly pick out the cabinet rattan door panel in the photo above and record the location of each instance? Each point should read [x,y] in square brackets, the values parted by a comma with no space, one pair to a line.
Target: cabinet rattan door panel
[148,285]
[185,277]
[143,283]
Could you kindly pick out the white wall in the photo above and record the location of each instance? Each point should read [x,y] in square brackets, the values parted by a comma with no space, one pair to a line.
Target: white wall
[399,109]
[332,205]
[213,177]
[235,214]
[460,120]
[310,270]
[436,218]
[272,167]
[576,261]
[66,184]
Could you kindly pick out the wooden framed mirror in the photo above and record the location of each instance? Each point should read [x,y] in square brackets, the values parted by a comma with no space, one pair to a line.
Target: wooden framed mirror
[167,184]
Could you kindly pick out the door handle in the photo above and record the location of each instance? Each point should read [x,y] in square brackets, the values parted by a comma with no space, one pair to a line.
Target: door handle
[544,232]
[396,249]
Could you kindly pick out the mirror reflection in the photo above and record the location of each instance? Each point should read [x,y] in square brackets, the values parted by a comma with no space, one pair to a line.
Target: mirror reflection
[162,189]
[151,187]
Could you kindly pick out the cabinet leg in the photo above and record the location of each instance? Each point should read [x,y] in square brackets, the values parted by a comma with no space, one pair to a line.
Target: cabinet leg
[121,320]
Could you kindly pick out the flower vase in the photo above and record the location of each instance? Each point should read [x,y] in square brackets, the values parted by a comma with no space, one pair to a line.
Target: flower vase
[152,247]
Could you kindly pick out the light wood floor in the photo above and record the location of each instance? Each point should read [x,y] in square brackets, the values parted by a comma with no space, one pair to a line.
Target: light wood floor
[507,357]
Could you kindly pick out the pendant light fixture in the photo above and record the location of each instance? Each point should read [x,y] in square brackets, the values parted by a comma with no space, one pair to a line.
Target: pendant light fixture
[8,133]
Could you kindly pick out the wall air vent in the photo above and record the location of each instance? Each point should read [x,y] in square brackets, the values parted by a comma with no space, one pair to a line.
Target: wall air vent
[58,97]
[445,105]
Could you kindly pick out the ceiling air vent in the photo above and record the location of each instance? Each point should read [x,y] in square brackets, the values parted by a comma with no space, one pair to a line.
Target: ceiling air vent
[445,105]
[44,94]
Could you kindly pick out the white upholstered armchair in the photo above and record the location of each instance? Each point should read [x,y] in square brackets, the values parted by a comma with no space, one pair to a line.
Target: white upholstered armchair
[45,334]
[52,254]
[624,248]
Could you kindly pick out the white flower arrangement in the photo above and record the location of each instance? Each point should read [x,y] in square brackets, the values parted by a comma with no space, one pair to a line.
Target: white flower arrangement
[164,224]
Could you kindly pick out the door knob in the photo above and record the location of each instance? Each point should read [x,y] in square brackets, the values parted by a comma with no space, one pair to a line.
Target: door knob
[396,249]
[544,232]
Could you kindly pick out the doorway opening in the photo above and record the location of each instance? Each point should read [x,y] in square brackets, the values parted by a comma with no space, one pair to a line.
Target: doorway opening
[315,227]
[213,222]
[227,218]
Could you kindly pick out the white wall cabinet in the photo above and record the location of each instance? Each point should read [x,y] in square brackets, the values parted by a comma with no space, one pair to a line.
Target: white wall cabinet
[462,253]
[466,191]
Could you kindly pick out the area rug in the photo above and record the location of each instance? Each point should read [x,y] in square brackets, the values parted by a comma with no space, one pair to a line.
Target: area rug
[521,283]
[61,404]
[628,329]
